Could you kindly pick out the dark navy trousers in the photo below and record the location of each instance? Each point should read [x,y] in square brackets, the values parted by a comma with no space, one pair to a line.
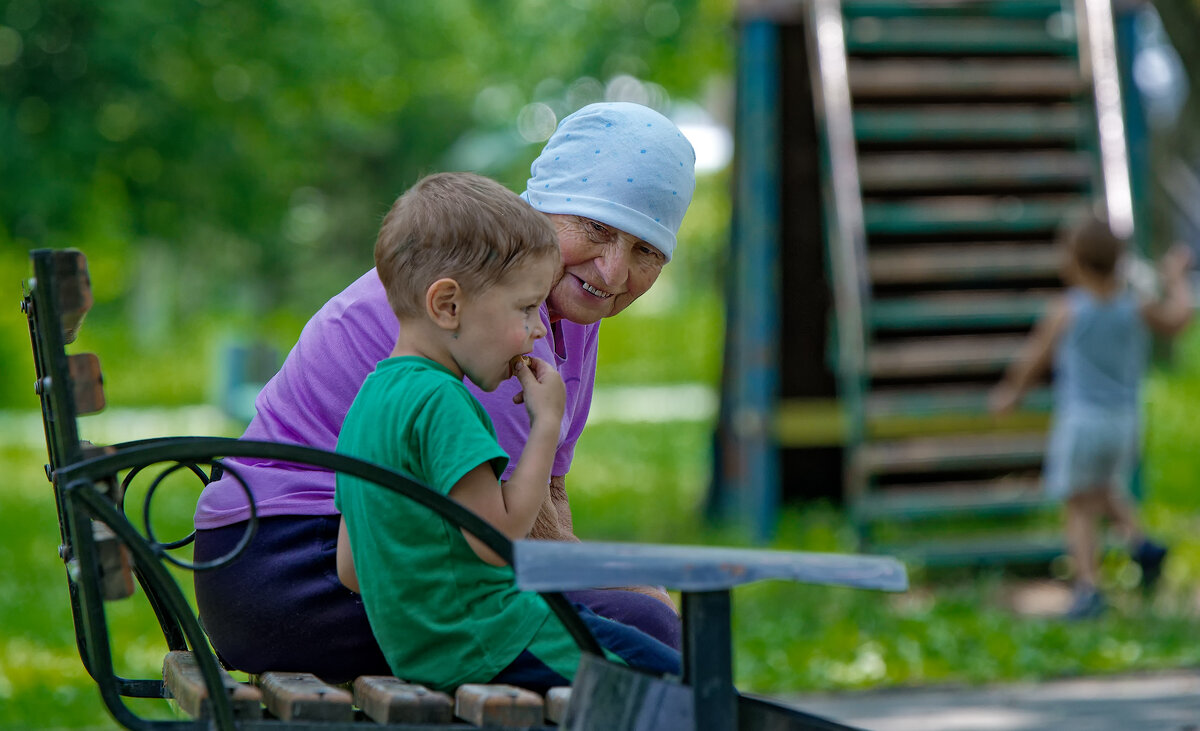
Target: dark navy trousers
[280,606]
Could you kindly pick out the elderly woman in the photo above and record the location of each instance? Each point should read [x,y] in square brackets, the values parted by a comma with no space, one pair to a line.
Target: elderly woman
[615,179]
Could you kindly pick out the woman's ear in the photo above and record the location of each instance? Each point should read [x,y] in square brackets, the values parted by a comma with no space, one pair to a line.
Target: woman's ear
[443,303]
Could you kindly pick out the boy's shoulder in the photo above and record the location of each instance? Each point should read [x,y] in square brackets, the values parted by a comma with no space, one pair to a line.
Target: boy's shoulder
[413,367]
[413,380]
[412,395]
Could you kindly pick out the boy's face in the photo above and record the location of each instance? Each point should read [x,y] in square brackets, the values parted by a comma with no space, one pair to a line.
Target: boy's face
[502,322]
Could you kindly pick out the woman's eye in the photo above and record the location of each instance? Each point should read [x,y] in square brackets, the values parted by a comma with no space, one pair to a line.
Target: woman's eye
[649,252]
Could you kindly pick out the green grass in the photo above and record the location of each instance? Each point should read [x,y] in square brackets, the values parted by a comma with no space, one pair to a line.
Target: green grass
[647,481]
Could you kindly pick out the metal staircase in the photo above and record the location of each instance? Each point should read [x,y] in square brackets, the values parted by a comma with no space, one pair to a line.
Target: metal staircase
[956,136]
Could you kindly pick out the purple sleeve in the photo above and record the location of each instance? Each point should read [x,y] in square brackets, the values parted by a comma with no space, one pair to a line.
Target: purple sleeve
[305,403]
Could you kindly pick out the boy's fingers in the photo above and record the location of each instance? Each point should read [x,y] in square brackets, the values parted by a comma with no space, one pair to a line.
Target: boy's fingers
[538,367]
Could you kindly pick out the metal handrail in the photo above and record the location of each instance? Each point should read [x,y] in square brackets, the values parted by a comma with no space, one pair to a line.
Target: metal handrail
[1100,62]
[842,200]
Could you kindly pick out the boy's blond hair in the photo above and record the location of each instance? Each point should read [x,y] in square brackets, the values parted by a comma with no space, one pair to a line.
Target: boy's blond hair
[1093,245]
[460,226]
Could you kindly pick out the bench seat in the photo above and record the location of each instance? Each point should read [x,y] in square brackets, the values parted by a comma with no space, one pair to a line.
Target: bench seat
[371,700]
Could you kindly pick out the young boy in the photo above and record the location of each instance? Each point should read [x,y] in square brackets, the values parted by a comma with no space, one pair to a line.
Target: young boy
[467,266]
[1098,336]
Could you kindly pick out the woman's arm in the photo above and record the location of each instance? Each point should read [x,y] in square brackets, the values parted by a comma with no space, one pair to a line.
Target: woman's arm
[553,521]
[554,524]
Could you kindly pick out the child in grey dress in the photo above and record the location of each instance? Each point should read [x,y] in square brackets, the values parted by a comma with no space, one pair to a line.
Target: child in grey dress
[1097,336]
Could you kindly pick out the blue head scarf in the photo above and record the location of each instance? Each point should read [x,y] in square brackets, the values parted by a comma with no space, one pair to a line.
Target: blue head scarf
[621,164]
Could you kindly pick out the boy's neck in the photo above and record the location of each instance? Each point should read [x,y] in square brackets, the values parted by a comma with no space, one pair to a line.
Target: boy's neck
[1102,286]
[420,338]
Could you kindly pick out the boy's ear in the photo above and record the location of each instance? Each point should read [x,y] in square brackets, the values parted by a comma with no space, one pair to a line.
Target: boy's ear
[443,303]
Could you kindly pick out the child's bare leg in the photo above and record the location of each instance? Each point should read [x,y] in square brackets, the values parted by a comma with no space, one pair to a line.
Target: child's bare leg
[1083,512]
[1119,510]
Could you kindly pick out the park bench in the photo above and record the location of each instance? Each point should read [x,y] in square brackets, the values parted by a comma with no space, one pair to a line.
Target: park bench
[106,553]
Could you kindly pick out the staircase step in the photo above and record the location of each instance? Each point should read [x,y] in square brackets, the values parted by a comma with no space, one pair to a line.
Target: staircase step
[934,400]
[954,310]
[990,451]
[963,262]
[906,171]
[904,413]
[969,214]
[970,123]
[989,8]
[994,497]
[958,354]
[949,79]
[958,35]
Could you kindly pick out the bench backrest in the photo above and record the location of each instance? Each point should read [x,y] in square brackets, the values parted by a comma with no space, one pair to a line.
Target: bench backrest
[56,301]
[104,552]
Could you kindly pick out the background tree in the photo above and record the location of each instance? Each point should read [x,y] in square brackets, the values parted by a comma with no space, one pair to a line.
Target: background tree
[229,160]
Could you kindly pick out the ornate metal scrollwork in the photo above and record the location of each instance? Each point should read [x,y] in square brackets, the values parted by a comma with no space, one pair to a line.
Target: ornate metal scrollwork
[162,549]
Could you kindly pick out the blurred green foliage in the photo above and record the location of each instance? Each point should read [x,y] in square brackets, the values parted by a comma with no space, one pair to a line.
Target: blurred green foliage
[225,165]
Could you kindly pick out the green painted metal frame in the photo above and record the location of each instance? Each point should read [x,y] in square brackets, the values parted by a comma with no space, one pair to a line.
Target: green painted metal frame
[746,483]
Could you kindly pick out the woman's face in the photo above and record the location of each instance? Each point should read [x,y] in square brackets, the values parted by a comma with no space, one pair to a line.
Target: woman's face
[604,269]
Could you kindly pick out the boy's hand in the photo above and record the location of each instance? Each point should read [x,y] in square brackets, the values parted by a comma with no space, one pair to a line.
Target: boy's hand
[1175,263]
[542,390]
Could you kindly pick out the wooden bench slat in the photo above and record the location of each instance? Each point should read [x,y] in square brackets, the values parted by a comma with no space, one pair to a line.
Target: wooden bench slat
[116,571]
[87,383]
[181,674]
[74,291]
[557,700]
[391,700]
[504,706]
[304,696]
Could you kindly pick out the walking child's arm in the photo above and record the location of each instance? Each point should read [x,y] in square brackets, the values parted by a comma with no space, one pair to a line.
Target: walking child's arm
[1171,314]
[1033,361]
[513,507]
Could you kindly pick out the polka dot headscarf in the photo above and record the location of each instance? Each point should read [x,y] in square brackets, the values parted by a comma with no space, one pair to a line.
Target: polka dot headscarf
[621,164]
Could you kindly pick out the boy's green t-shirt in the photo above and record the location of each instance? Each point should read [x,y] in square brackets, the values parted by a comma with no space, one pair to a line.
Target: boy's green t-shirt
[442,616]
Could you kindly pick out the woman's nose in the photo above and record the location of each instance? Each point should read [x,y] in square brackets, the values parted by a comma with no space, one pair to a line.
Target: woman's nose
[613,264]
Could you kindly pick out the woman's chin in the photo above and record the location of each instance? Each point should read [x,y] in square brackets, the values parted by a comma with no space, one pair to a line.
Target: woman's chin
[580,308]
